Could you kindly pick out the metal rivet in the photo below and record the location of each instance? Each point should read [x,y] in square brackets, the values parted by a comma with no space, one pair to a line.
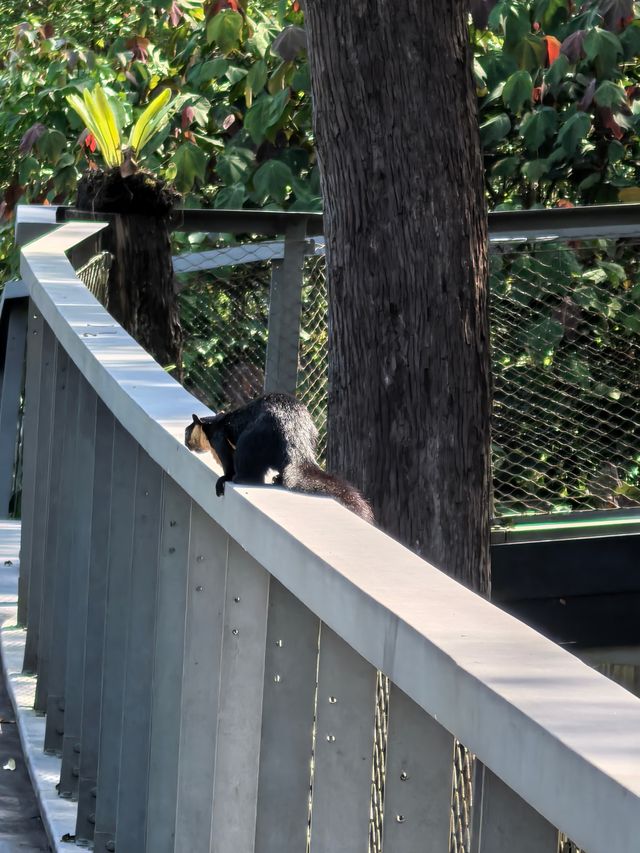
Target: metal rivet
[404,776]
[172,524]
[235,632]
[237,599]
[146,493]
[279,644]
[199,588]
[331,738]
[333,700]
[276,678]
[200,558]
[400,818]
[172,550]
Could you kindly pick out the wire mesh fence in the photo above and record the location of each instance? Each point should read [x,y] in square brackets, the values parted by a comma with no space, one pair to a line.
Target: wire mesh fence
[565,324]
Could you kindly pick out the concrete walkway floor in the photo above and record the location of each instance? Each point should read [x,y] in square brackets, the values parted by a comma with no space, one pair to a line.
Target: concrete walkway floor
[21,829]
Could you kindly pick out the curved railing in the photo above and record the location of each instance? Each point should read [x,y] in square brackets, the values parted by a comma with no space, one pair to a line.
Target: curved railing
[175,639]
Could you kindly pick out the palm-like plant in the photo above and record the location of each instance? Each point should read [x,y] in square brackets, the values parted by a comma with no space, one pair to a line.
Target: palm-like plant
[99,117]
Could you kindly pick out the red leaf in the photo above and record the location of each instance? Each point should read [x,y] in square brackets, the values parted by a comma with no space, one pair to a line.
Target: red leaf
[537,94]
[553,49]
[609,122]
[296,6]
[12,196]
[139,45]
[47,31]
[229,120]
[188,115]
[90,142]
[572,46]
[585,101]
[563,202]
[31,137]
[219,5]
[175,14]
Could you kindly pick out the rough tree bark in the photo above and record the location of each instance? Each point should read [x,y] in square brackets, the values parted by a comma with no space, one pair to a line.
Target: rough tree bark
[140,291]
[406,230]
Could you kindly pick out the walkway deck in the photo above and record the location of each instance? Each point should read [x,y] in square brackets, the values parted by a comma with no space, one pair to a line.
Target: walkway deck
[21,829]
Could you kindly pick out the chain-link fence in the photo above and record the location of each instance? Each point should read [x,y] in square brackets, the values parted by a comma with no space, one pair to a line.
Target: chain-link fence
[565,323]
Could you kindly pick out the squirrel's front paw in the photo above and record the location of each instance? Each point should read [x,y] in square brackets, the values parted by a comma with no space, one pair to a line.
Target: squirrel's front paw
[220,486]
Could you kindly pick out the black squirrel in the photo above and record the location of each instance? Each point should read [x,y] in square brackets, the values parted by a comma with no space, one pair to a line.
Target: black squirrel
[271,439]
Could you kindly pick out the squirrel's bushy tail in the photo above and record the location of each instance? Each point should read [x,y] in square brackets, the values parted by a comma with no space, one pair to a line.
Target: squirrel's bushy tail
[307,477]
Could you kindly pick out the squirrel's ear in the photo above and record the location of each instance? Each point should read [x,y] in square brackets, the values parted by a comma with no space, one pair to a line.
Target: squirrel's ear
[196,419]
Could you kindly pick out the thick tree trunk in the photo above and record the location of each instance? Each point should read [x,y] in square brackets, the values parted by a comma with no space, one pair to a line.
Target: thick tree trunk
[406,229]
[140,292]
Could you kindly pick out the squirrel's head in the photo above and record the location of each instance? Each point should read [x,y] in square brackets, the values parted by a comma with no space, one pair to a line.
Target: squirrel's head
[195,438]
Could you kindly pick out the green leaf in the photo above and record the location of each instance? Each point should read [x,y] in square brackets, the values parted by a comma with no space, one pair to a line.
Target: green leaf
[506,167]
[51,145]
[630,40]
[556,73]
[517,91]
[225,29]
[531,52]
[494,129]
[265,112]
[206,71]
[603,49]
[543,337]
[190,162]
[573,131]
[616,151]
[256,119]
[257,77]
[234,165]
[28,167]
[230,198]
[550,13]
[537,126]
[610,95]
[534,169]
[273,179]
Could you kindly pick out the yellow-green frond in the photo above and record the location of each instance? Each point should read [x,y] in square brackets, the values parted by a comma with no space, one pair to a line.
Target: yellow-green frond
[79,105]
[151,120]
[100,112]
[110,120]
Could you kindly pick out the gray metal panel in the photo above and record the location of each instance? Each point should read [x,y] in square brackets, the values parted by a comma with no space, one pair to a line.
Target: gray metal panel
[121,531]
[96,609]
[288,709]
[285,306]
[136,725]
[78,589]
[66,522]
[38,455]
[54,513]
[12,376]
[240,704]
[503,821]
[168,664]
[419,771]
[30,443]
[200,683]
[344,748]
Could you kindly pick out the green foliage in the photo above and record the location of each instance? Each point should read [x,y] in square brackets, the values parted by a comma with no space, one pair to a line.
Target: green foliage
[236,105]
[567,78]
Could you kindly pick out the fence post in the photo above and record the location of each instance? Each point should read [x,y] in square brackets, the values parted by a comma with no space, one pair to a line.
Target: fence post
[12,374]
[29,507]
[285,306]
[503,821]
